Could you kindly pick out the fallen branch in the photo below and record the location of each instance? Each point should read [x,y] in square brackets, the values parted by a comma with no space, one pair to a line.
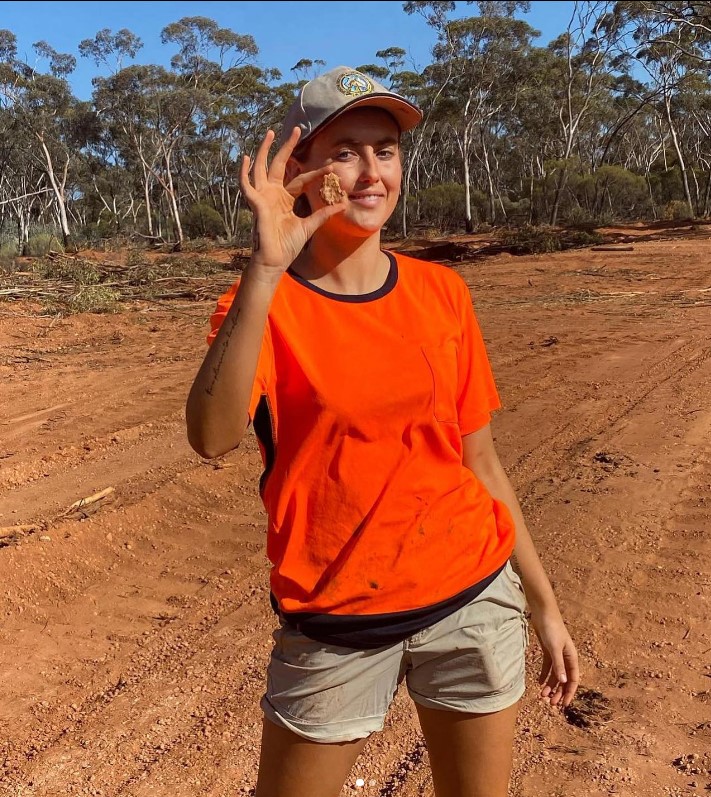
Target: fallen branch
[91,499]
[15,531]
[612,248]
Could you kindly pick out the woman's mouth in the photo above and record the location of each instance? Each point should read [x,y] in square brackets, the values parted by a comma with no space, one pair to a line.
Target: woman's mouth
[365,200]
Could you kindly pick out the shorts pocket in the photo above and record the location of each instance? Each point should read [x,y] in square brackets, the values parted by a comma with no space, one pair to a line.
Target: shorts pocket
[442,361]
[516,586]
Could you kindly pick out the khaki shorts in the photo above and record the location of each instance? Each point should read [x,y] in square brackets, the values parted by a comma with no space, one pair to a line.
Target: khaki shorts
[472,661]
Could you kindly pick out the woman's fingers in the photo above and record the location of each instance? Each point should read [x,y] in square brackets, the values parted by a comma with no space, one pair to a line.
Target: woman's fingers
[260,161]
[560,675]
[278,165]
[321,216]
[244,181]
[570,655]
[299,183]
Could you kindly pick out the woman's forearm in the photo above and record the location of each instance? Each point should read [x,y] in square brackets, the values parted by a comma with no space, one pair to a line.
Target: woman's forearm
[480,457]
[218,403]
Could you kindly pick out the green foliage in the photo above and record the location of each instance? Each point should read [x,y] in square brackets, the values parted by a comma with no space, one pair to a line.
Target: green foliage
[8,248]
[444,205]
[136,257]
[243,234]
[41,244]
[8,252]
[95,299]
[677,209]
[531,240]
[199,245]
[203,221]
[528,121]
[83,272]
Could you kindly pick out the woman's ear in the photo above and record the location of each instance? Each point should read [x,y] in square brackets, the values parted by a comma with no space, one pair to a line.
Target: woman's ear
[293,169]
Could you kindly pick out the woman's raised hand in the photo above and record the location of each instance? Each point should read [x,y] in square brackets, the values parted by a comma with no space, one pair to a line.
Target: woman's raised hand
[279,234]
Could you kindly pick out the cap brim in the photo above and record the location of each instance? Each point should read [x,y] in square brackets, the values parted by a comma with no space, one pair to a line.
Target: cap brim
[405,113]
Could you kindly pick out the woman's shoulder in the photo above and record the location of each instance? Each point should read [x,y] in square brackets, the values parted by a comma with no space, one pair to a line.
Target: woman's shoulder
[440,276]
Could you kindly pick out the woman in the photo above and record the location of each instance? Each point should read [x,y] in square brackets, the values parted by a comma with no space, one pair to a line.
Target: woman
[391,520]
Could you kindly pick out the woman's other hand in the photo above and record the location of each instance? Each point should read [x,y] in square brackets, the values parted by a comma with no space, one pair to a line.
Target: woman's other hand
[560,673]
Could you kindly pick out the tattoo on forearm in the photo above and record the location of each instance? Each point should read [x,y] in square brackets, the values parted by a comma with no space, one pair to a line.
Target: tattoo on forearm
[231,324]
[255,239]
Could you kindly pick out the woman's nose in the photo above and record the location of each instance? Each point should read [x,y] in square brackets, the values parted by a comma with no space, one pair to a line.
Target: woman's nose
[369,168]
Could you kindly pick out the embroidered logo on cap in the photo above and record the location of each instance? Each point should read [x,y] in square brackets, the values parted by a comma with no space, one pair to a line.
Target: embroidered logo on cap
[353,84]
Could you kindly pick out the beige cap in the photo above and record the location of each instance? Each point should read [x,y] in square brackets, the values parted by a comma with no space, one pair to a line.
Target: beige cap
[324,98]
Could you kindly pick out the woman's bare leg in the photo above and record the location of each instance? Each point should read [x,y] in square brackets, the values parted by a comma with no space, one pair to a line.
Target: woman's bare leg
[470,754]
[291,766]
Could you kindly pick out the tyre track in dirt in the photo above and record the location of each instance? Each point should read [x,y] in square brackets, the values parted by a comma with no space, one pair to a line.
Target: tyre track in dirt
[133,667]
[567,443]
[638,602]
[151,617]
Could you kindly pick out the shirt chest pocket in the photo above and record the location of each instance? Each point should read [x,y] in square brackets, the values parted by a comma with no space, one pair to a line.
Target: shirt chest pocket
[442,362]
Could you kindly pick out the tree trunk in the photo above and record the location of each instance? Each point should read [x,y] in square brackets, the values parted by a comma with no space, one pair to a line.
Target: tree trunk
[489,181]
[651,195]
[58,190]
[172,201]
[405,193]
[680,157]
[707,195]
[147,195]
[468,226]
[560,185]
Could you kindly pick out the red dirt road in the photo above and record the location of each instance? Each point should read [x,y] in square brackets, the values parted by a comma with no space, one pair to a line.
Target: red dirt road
[134,639]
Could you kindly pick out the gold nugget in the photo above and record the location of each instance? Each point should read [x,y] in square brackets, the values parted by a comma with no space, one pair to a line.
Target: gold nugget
[331,191]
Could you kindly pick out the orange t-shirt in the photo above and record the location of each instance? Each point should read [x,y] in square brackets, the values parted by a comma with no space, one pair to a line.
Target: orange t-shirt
[359,405]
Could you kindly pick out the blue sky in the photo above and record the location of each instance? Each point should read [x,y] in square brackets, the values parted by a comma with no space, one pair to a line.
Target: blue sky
[339,33]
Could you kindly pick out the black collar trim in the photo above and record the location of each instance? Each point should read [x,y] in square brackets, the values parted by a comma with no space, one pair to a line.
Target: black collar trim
[387,286]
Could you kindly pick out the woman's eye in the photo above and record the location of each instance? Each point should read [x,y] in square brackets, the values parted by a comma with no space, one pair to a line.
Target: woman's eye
[343,155]
[386,153]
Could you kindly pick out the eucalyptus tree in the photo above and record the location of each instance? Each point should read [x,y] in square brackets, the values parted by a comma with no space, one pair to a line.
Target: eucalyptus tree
[682,24]
[111,49]
[478,58]
[422,86]
[229,93]
[671,41]
[57,123]
[305,69]
[110,184]
[585,51]
[692,109]
[136,106]
[249,104]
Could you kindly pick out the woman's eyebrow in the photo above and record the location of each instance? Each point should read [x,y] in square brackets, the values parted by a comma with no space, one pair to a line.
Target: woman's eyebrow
[353,142]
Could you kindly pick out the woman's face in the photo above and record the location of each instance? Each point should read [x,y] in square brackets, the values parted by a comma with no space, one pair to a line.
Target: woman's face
[363,148]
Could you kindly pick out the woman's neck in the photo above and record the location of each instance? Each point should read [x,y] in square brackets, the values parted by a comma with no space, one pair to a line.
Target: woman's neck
[349,266]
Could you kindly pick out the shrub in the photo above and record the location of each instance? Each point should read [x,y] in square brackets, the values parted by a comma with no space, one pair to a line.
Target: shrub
[540,240]
[530,240]
[136,257]
[579,239]
[203,221]
[444,205]
[199,245]
[8,252]
[676,210]
[42,244]
[243,233]
[95,299]
[8,248]
[83,272]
